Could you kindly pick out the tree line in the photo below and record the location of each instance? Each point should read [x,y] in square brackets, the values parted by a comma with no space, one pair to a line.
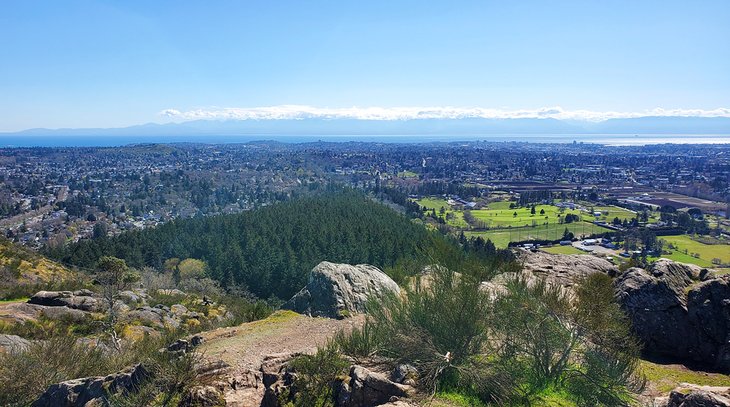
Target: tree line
[271,250]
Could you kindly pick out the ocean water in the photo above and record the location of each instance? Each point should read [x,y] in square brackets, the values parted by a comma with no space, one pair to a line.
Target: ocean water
[604,139]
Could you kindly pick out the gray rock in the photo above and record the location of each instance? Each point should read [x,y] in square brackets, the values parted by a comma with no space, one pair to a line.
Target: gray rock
[656,305]
[689,395]
[179,310]
[368,388]
[202,396]
[708,310]
[134,297]
[155,317]
[64,313]
[79,392]
[185,345]
[12,343]
[82,300]
[563,269]
[334,290]
[404,374]
[678,315]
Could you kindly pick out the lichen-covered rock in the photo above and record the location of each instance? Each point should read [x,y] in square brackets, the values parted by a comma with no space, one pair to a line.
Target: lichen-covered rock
[134,297]
[368,388]
[154,317]
[689,395]
[12,343]
[676,314]
[83,300]
[334,290]
[655,303]
[563,269]
[92,390]
[404,374]
[708,310]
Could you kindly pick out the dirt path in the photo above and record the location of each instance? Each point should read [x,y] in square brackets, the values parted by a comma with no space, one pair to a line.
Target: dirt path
[244,347]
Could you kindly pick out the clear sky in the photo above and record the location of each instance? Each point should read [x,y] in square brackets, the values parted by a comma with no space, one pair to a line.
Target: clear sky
[107,64]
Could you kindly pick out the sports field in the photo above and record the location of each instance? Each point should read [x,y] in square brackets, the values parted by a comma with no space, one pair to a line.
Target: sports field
[502,237]
[706,252]
[562,250]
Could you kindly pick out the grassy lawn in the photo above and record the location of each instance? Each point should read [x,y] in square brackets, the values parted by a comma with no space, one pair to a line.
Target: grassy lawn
[684,258]
[562,250]
[502,237]
[666,377]
[611,212]
[498,214]
[437,204]
[707,252]
[407,174]
[25,299]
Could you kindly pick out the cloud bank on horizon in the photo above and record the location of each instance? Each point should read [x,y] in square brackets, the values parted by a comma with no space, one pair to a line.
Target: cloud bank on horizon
[300,112]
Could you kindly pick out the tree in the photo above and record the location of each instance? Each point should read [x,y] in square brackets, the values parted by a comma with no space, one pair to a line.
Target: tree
[532,210]
[542,211]
[192,269]
[113,276]
[514,215]
[100,230]
[568,235]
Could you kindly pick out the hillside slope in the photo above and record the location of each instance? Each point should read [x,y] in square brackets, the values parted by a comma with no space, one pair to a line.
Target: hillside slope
[23,271]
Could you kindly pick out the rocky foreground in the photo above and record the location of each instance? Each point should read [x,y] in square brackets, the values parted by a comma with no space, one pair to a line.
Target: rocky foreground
[677,310]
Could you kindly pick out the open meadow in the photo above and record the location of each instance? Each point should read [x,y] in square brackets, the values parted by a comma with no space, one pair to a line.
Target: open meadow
[706,252]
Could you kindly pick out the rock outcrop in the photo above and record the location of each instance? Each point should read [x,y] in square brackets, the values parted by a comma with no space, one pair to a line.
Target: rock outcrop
[83,300]
[563,269]
[708,309]
[677,314]
[12,343]
[334,290]
[690,395]
[92,390]
[365,388]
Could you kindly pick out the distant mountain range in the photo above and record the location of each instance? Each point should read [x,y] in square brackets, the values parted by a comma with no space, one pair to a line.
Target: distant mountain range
[217,131]
[345,127]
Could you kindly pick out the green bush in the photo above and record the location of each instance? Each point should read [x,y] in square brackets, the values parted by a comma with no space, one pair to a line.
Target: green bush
[439,326]
[315,377]
[528,343]
[61,358]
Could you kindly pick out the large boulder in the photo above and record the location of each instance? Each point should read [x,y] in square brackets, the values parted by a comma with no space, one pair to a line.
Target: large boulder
[656,305]
[562,269]
[677,314]
[708,309]
[83,300]
[334,290]
[92,390]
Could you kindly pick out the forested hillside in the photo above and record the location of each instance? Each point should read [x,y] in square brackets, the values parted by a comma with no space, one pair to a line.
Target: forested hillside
[272,249]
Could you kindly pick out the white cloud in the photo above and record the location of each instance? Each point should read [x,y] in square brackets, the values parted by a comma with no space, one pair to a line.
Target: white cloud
[298,112]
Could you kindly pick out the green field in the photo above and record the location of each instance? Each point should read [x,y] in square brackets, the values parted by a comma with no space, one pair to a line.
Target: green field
[562,250]
[407,174]
[706,252]
[611,212]
[499,214]
[502,237]
[24,299]
[438,203]
[505,226]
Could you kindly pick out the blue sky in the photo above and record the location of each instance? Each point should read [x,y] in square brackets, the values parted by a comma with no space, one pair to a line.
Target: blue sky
[107,64]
